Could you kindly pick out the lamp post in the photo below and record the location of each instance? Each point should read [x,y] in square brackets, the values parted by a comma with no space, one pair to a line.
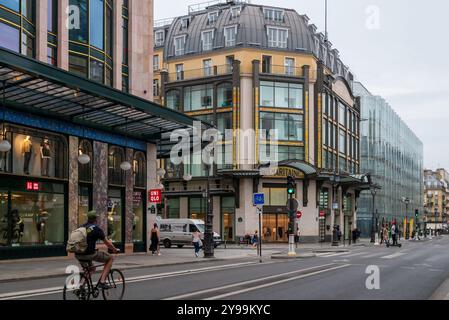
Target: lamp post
[407,225]
[335,180]
[208,232]
[436,213]
[373,190]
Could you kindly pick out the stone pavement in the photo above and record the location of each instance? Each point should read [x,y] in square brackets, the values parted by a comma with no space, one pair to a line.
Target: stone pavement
[11,270]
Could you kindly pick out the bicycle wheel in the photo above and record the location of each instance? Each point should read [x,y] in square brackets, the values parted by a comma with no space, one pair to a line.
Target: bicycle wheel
[73,293]
[116,281]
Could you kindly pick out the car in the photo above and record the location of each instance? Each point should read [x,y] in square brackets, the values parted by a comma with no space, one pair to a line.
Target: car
[179,232]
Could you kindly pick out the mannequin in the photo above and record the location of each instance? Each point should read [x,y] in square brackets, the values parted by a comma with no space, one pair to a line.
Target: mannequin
[3,157]
[27,151]
[45,157]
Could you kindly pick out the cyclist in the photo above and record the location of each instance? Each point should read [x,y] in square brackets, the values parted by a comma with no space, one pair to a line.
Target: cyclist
[94,234]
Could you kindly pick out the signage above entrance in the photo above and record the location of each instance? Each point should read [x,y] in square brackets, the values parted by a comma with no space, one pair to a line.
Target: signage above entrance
[283,172]
[32,186]
[155,196]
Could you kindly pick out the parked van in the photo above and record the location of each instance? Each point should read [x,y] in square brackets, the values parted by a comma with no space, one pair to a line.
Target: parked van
[179,232]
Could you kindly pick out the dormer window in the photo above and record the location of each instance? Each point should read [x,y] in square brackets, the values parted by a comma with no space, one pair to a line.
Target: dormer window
[274,14]
[277,37]
[235,12]
[212,17]
[230,34]
[159,38]
[180,44]
[207,38]
[185,22]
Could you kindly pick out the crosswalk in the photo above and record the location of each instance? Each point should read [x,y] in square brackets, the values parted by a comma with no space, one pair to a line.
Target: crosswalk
[362,255]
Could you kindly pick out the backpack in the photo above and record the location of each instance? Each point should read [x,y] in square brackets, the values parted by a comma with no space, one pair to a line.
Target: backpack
[77,241]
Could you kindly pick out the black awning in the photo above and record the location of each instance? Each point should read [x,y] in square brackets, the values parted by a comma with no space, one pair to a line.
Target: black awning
[35,87]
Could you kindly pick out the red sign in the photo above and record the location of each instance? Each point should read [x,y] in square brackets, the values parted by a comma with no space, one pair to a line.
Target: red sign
[32,186]
[299,215]
[155,196]
[322,214]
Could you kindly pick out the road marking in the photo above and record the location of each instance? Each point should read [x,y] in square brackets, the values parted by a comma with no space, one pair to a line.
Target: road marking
[355,254]
[54,290]
[196,293]
[396,255]
[330,254]
[275,283]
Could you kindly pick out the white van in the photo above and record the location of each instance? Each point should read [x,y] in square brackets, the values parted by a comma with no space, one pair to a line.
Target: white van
[179,232]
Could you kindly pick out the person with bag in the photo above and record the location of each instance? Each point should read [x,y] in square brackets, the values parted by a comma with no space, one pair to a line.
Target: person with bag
[83,242]
[155,240]
[197,241]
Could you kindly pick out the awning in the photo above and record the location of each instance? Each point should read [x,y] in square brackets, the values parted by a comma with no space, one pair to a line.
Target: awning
[306,168]
[41,89]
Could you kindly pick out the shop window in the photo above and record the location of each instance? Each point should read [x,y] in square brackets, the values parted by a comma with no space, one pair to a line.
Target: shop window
[115,215]
[115,173]
[281,95]
[290,127]
[85,170]
[198,97]
[224,95]
[197,208]
[228,216]
[173,100]
[173,209]
[84,203]
[138,216]
[140,170]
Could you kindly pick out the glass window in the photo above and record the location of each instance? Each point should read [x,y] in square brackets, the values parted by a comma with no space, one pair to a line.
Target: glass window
[159,37]
[138,215]
[173,208]
[115,215]
[207,67]
[52,16]
[96,16]
[52,55]
[156,63]
[267,94]
[212,17]
[274,15]
[281,95]
[96,70]
[173,100]
[235,12]
[224,95]
[85,170]
[198,97]
[78,65]
[228,212]
[266,64]
[342,142]
[289,66]
[180,45]
[185,22]
[277,38]
[84,203]
[289,126]
[125,30]
[208,40]
[9,37]
[27,45]
[197,208]
[80,34]
[11,4]
[230,36]
[140,170]
[125,83]
[155,87]
[341,114]
[115,159]
[179,72]
[275,196]
[109,29]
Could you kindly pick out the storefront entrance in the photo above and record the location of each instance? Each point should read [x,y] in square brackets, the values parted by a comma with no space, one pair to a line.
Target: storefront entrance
[228,218]
[116,216]
[275,228]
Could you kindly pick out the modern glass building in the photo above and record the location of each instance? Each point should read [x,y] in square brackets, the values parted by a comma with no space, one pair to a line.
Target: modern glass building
[393,154]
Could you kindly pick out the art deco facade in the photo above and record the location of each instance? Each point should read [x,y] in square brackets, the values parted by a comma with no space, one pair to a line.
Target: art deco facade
[244,66]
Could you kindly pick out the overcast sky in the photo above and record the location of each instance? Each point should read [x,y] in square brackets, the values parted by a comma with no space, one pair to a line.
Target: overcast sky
[402,56]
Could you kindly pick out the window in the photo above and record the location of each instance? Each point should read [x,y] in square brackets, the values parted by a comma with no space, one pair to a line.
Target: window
[235,12]
[185,22]
[281,95]
[342,142]
[198,97]
[229,63]
[115,159]
[274,15]
[173,100]
[290,127]
[341,114]
[179,72]
[207,67]
[207,38]
[180,45]
[115,215]
[266,64]
[230,34]
[197,208]
[96,70]
[52,55]
[9,37]
[85,170]
[159,38]
[155,87]
[224,95]
[212,17]
[138,216]
[140,170]
[277,38]
[289,66]
[156,63]
[173,208]
[52,16]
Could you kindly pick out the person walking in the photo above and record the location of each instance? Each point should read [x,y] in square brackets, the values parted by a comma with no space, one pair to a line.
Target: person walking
[255,239]
[394,234]
[196,235]
[155,240]
[386,236]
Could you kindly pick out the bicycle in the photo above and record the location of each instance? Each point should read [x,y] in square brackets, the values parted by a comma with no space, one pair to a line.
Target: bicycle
[86,290]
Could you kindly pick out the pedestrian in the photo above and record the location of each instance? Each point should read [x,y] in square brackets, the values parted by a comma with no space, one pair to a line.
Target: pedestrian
[155,240]
[197,243]
[382,234]
[386,237]
[255,239]
[394,234]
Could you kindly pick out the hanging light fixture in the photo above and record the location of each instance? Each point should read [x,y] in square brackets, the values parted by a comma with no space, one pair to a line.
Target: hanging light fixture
[125,165]
[83,158]
[5,145]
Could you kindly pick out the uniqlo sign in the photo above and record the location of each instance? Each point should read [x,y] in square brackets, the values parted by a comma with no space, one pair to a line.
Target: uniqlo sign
[155,196]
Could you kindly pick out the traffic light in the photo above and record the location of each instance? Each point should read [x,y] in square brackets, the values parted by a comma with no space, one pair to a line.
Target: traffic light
[291,185]
[416,214]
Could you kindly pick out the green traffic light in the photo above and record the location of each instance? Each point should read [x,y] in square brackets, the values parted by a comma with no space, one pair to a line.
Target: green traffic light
[291,191]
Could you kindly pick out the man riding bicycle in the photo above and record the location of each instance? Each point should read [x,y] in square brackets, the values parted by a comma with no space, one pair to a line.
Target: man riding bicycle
[94,234]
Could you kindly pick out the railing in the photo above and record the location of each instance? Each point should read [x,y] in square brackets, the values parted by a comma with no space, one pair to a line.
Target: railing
[200,73]
[282,70]
[163,22]
[204,5]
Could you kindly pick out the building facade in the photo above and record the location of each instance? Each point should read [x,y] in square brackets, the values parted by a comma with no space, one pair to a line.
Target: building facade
[393,155]
[436,198]
[72,137]
[251,69]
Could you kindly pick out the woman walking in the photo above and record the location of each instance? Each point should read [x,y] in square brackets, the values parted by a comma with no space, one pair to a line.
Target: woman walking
[155,240]
[197,241]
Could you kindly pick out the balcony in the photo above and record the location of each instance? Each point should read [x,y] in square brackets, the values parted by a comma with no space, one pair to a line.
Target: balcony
[163,22]
[200,73]
[281,70]
[204,5]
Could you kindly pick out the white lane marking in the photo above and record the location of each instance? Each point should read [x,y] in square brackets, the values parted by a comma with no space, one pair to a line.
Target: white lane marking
[355,254]
[329,254]
[49,291]
[275,283]
[196,293]
[396,255]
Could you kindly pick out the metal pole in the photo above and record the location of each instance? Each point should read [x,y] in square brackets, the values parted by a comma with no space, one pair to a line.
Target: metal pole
[209,233]
[372,219]
[260,234]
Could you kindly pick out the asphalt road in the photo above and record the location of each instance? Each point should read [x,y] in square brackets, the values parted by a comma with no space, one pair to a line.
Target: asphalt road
[412,272]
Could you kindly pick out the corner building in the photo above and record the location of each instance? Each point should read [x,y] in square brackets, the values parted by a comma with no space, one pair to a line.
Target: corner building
[246,66]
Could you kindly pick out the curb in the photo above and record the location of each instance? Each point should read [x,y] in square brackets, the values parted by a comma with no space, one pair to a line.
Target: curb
[332,251]
[287,257]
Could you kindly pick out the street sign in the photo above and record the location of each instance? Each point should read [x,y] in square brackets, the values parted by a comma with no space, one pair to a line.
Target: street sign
[322,214]
[299,215]
[292,205]
[259,211]
[259,199]
[155,196]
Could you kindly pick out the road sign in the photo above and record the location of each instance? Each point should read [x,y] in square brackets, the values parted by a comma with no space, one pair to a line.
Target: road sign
[259,211]
[299,215]
[292,205]
[322,214]
[155,196]
[259,199]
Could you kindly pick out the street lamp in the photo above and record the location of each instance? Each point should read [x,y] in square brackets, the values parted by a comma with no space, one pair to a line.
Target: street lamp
[335,181]
[436,213]
[407,225]
[208,232]
[373,190]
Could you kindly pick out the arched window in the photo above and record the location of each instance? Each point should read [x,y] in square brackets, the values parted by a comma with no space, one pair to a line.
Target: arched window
[115,173]
[173,100]
[224,95]
[140,170]
[85,170]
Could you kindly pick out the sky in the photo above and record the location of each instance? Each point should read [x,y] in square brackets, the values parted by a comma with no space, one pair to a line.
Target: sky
[398,49]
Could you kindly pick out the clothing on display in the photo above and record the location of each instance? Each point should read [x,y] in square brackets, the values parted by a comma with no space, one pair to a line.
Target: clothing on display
[3,161]
[45,157]
[27,151]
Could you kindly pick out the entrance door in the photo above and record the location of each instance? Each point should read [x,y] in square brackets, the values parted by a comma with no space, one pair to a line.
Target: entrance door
[275,227]
[115,215]
[228,222]
[4,223]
